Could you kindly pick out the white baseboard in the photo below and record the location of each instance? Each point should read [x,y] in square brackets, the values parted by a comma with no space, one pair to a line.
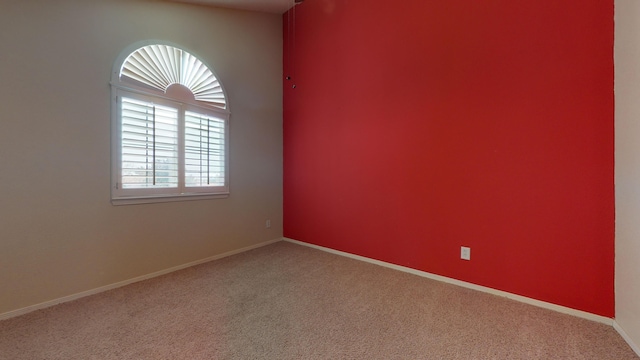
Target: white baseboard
[520,298]
[79,295]
[626,337]
[538,303]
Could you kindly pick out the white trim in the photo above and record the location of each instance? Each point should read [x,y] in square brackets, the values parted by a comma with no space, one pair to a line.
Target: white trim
[626,337]
[520,298]
[165,198]
[79,295]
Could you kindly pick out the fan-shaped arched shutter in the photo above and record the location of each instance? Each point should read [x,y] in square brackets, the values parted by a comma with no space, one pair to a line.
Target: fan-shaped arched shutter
[160,66]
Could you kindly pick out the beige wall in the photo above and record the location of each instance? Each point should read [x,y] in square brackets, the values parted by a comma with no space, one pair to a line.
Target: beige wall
[627,89]
[59,234]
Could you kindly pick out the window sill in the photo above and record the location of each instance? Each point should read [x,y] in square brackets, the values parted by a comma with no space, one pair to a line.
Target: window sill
[165,198]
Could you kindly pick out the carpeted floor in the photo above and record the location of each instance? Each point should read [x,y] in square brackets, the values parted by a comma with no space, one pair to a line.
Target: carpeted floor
[286,301]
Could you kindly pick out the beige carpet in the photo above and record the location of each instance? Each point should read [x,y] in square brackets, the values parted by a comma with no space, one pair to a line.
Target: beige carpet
[287,301]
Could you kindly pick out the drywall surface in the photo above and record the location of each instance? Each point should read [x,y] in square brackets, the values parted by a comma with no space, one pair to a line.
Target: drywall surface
[418,127]
[59,233]
[627,123]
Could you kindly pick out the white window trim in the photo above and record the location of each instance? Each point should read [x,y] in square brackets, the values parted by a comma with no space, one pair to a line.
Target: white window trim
[121,196]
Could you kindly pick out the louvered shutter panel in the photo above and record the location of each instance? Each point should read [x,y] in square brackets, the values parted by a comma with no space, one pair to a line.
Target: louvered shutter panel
[160,66]
[204,150]
[149,151]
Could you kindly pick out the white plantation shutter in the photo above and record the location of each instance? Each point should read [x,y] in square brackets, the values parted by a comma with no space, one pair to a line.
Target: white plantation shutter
[160,66]
[204,150]
[149,136]
[167,146]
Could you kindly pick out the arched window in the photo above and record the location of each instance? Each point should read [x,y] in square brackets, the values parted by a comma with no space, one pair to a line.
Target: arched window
[170,128]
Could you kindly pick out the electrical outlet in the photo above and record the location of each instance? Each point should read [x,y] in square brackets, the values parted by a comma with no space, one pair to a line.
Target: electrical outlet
[465,253]
[267,224]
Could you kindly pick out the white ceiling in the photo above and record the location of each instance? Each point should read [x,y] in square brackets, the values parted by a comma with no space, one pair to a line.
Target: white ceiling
[269,6]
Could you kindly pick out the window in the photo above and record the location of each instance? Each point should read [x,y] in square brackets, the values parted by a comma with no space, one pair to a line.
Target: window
[169,128]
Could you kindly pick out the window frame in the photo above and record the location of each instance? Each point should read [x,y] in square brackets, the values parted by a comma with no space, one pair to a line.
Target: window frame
[133,90]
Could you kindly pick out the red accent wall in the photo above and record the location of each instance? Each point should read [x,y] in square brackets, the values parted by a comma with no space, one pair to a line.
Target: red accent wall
[417,127]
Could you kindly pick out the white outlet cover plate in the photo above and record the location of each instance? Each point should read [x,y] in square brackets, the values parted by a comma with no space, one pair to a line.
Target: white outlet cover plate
[465,253]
